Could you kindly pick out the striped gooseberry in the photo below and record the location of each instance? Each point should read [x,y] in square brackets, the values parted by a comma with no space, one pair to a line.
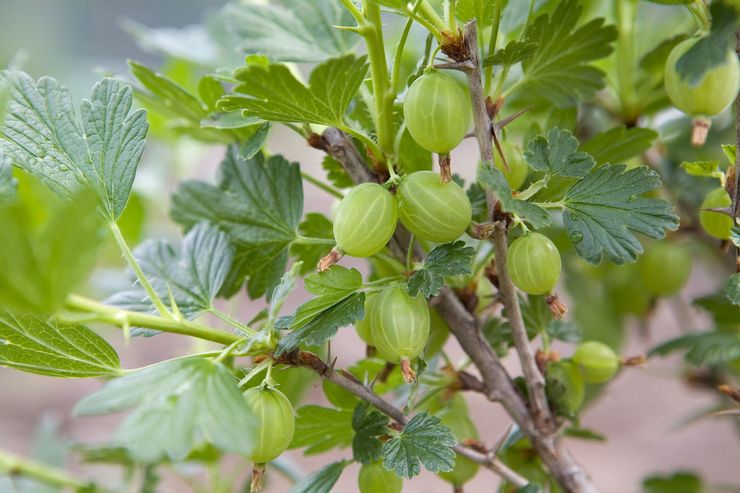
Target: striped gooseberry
[433,210]
[716,223]
[565,386]
[373,478]
[365,220]
[437,111]
[597,361]
[518,167]
[457,419]
[665,267]
[275,422]
[534,263]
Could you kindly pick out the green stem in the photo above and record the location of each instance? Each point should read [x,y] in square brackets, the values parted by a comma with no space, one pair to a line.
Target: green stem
[231,321]
[533,188]
[399,51]
[323,186]
[129,256]
[122,318]
[626,14]
[700,12]
[428,12]
[308,240]
[492,42]
[410,252]
[349,5]
[13,465]
[369,143]
[450,15]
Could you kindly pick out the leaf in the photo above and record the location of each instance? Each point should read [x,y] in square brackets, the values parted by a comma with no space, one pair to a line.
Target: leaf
[190,43]
[273,93]
[291,30]
[281,292]
[564,330]
[8,184]
[585,434]
[250,147]
[101,149]
[314,225]
[710,348]
[735,236]
[619,144]
[480,10]
[730,151]
[324,325]
[513,53]
[725,315]
[681,481]
[321,481]
[492,178]
[369,425]
[556,155]
[423,441]
[321,429]
[192,272]
[330,287]
[711,50]
[179,405]
[732,289]
[708,169]
[559,70]
[605,208]
[258,204]
[35,345]
[450,259]
[40,267]
[335,173]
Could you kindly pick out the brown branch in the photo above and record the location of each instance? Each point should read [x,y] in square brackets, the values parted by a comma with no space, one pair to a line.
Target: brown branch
[346,380]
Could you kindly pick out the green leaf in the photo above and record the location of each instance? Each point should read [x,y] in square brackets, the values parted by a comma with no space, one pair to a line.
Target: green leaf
[732,289]
[564,330]
[619,144]
[492,178]
[321,481]
[40,268]
[250,147]
[172,99]
[321,429]
[35,345]
[480,10]
[191,44]
[325,324]
[735,236]
[273,93]
[585,434]
[725,315]
[711,50]
[681,481]
[192,272]
[708,169]
[513,53]
[258,204]
[335,173]
[100,149]
[559,70]
[423,441]
[730,151]
[179,405]
[450,259]
[703,348]
[369,425]
[605,209]
[289,31]
[330,287]
[314,225]
[557,155]
[8,184]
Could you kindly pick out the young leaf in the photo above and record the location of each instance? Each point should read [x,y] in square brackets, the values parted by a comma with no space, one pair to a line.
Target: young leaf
[335,173]
[258,204]
[732,289]
[36,345]
[683,481]
[192,272]
[295,31]
[423,441]
[492,178]
[559,69]
[480,10]
[710,348]
[180,404]
[368,425]
[273,93]
[321,429]
[604,209]
[7,182]
[708,169]
[557,155]
[321,481]
[619,144]
[513,53]
[450,259]
[100,149]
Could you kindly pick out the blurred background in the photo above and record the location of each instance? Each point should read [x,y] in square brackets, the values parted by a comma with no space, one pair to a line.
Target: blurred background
[648,415]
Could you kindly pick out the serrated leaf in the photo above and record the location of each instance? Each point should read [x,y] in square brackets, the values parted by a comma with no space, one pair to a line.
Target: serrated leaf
[654,60]
[492,178]
[36,345]
[585,434]
[683,481]
[321,481]
[251,146]
[725,315]
[193,272]
[702,168]
[190,43]
[423,441]
[330,287]
[735,236]
[179,405]
[564,330]
[321,429]
[281,292]
[709,348]
[480,10]
[99,149]
[730,152]
[289,31]
[513,53]
[619,144]
[557,155]
[258,204]
[335,173]
[711,50]
[8,184]
[369,425]
[450,259]
[605,209]
[559,70]
[273,93]
[732,289]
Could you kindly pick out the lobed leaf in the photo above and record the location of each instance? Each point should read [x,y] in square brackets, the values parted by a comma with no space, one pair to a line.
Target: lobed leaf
[321,428]
[493,179]
[619,144]
[369,425]
[423,441]
[513,53]
[450,259]
[321,481]
[557,155]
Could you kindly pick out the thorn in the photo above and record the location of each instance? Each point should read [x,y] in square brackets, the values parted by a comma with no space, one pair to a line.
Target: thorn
[354,29]
[502,123]
[500,151]
[727,211]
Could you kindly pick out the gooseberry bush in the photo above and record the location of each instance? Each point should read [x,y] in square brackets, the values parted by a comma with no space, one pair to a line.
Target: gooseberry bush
[595,145]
